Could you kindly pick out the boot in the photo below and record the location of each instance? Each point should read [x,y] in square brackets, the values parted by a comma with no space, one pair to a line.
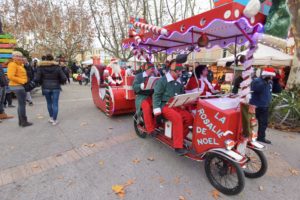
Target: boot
[23,122]
[20,121]
[5,116]
[26,123]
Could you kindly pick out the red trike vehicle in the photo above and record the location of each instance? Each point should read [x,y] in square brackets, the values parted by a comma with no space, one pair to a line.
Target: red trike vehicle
[222,134]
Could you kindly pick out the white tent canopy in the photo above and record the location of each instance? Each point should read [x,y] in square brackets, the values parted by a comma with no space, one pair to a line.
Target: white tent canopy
[88,62]
[264,55]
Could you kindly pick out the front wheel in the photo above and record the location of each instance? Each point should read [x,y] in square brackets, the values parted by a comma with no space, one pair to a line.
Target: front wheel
[225,175]
[256,165]
[139,126]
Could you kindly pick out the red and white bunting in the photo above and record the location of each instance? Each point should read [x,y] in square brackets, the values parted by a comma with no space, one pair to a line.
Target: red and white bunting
[154,29]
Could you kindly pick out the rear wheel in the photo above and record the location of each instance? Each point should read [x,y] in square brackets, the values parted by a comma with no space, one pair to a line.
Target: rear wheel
[224,174]
[256,165]
[139,126]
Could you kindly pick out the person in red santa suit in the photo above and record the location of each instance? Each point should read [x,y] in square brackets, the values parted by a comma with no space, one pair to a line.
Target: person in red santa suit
[123,72]
[199,83]
[165,88]
[114,73]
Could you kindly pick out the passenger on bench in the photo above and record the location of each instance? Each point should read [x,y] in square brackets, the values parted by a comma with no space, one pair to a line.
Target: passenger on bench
[205,87]
[166,88]
[143,100]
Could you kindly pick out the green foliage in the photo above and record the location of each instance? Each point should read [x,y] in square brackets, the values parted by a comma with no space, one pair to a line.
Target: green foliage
[285,108]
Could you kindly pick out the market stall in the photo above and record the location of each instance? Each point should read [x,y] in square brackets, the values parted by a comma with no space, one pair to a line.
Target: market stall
[264,55]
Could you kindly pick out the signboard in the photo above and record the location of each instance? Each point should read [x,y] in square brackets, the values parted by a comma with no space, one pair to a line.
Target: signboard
[213,126]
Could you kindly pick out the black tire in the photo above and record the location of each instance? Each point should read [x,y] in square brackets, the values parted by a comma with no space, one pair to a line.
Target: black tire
[263,168]
[227,167]
[140,133]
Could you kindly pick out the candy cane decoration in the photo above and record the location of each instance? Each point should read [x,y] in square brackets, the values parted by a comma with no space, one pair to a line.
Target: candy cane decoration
[154,29]
[137,38]
[248,70]
[138,53]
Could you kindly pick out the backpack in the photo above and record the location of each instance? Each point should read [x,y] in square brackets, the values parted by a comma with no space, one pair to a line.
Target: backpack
[30,85]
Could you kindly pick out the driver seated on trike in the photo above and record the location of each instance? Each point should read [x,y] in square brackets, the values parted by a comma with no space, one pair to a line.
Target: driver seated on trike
[143,100]
[167,87]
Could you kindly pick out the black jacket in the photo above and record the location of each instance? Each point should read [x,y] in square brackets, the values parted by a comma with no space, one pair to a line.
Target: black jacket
[29,71]
[50,75]
[3,80]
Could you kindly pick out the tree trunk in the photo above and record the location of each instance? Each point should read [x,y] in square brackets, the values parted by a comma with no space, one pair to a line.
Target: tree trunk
[294,6]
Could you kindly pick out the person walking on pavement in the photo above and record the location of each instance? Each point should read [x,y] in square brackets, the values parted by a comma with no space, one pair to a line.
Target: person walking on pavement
[17,79]
[166,88]
[65,69]
[86,75]
[261,98]
[30,75]
[3,85]
[51,76]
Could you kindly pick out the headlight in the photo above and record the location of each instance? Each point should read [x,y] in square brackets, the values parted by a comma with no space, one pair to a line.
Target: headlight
[229,144]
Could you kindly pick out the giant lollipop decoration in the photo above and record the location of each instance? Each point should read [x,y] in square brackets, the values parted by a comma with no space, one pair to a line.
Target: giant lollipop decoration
[7,44]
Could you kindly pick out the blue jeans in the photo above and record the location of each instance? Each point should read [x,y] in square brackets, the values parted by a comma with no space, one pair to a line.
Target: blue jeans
[21,97]
[52,97]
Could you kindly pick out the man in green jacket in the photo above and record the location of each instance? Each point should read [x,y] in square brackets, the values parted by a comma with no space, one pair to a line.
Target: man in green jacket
[143,101]
[166,88]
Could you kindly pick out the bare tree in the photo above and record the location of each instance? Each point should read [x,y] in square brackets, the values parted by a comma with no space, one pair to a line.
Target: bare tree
[42,26]
[111,18]
[294,7]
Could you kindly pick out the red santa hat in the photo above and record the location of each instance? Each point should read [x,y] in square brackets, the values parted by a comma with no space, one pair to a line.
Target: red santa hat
[179,66]
[148,65]
[268,71]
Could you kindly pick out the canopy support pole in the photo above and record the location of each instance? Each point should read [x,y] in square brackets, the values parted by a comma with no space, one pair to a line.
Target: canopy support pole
[244,32]
[194,63]
[235,64]
[134,63]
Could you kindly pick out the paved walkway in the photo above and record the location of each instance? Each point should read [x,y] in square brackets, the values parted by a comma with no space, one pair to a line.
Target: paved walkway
[88,153]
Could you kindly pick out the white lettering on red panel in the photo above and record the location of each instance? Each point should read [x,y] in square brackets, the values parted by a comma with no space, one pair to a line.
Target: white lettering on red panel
[210,126]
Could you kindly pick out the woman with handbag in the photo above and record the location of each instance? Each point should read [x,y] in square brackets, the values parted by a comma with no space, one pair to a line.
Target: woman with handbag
[50,75]
[17,76]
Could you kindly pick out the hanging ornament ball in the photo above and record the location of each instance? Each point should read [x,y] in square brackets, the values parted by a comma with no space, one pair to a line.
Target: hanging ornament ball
[241,58]
[203,40]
